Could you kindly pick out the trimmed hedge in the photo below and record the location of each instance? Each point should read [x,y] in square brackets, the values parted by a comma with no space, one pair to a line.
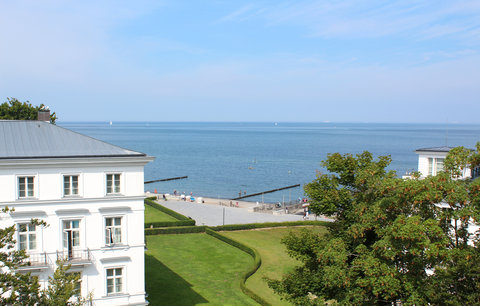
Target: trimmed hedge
[152,203]
[257,261]
[175,230]
[189,222]
[236,227]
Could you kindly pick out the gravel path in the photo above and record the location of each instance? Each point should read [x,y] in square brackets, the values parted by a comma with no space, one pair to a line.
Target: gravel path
[212,215]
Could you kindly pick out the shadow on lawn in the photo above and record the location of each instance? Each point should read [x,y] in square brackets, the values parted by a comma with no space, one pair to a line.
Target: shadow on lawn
[165,287]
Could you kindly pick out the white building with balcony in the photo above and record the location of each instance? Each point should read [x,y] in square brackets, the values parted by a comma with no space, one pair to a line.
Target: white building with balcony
[90,193]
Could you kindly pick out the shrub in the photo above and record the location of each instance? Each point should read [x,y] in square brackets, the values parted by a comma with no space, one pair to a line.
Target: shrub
[189,222]
[175,230]
[257,261]
[236,227]
[150,201]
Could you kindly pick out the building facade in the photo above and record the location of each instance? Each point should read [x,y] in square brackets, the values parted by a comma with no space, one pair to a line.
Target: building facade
[90,194]
[431,161]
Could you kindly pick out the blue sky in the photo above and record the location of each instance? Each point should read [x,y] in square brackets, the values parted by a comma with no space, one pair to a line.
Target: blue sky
[313,61]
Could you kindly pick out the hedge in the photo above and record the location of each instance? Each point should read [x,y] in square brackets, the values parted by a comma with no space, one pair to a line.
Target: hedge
[170,223]
[175,230]
[150,202]
[236,227]
[257,261]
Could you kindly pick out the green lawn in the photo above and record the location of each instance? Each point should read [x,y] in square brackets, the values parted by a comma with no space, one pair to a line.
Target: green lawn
[192,269]
[275,261]
[155,215]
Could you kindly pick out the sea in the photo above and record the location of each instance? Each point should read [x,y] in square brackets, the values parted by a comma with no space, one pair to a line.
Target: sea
[223,160]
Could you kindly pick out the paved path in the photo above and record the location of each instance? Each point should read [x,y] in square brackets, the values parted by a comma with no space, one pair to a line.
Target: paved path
[212,215]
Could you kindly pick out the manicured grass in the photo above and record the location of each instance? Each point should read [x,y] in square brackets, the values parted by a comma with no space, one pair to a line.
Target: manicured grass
[275,261]
[155,215]
[191,269]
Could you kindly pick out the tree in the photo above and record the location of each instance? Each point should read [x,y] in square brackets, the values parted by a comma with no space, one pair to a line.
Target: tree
[13,109]
[393,240]
[24,288]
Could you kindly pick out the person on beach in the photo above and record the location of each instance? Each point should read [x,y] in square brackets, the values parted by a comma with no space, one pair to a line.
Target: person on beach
[175,192]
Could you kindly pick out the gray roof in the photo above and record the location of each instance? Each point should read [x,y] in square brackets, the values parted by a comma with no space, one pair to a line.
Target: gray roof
[22,139]
[443,149]
[435,149]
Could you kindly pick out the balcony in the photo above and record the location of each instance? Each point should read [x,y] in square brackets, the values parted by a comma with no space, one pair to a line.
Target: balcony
[75,257]
[35,261]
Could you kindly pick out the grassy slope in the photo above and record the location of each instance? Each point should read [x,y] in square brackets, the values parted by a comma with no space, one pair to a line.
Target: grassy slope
[155,215]
[275,261]
[191,269]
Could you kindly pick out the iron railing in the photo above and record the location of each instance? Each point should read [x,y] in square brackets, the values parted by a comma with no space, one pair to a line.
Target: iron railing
[75,255]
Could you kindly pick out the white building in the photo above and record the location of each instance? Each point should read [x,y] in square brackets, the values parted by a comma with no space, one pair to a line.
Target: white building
[90,193]
[431,160]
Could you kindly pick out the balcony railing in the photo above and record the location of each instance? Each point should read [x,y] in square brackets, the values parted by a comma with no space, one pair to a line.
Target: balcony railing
[34,261]
[74,257]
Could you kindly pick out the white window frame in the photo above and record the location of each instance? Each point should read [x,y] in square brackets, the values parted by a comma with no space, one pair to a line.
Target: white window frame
[115,189]
[110,238]
[433,163]
[26,190]
[27,234]
[76,229]
[70,183]
[115,277]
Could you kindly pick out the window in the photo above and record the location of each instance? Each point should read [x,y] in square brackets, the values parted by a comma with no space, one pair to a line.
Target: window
[113,230]
[114,280]
[71,233]
[430,166]
[113,183]
[25,187]
[439,164]
[27,236]
[70,185]
[435,165]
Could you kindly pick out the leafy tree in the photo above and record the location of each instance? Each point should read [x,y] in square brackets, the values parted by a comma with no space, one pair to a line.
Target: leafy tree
[63,288]
[13,109]
[24,288]
[393,240]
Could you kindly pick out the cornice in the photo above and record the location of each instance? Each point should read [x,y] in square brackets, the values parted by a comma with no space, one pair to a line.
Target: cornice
[76,161]
[64,201]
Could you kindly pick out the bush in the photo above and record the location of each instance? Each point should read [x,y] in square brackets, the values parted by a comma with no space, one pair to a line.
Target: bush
[175,230]
[150,202]
[189,222]
[257,261]
[236,227]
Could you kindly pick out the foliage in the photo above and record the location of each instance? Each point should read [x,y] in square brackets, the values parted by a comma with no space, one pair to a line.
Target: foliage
[237,227]
[63,288]
[393,240]
[150,202]
[13,109]
[175,230]
[170,223]
[23,288]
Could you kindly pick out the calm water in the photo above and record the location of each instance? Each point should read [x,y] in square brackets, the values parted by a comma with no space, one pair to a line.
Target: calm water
[222,159]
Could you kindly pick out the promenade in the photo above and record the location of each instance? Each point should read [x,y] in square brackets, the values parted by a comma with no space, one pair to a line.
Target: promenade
[213,214]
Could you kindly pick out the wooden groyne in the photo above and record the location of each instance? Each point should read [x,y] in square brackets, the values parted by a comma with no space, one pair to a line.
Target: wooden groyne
[264,192]
[167,179]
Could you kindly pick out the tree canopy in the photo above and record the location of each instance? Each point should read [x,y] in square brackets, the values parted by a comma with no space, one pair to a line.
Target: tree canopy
[13,109]
[393,240]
